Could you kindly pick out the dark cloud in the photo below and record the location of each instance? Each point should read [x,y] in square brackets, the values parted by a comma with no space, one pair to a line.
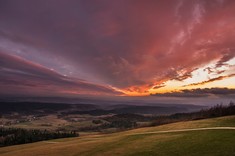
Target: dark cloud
[228,54]
[19,75]
[206,92]
[209,70]
[182,75]
[159,86]
[211,80]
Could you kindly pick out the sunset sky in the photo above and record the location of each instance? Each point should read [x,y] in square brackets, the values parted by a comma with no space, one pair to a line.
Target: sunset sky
[160,48]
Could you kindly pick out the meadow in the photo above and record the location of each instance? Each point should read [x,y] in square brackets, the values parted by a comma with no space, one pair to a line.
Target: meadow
[182,138]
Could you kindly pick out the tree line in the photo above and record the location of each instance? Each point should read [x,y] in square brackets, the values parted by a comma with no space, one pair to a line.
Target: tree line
[217,111]
[15,136]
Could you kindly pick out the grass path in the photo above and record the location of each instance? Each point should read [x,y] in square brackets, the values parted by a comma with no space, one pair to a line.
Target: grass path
[186,130]
[51,142]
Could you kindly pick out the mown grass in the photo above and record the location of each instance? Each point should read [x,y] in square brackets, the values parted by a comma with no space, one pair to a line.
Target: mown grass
[129,143]
[208,143]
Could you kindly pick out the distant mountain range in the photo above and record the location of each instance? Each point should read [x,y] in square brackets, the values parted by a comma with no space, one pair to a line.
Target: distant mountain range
[94,109]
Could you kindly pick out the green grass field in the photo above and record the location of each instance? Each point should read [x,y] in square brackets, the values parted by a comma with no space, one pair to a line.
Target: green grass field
[143,141]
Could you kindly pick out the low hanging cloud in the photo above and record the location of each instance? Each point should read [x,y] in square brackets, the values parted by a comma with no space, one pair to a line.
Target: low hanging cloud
[206,92]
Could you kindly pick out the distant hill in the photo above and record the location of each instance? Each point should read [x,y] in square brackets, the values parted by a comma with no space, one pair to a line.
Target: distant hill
[38,107]
[92,109]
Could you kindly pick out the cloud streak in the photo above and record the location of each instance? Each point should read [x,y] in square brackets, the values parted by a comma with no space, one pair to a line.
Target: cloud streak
[206,92]
[211,80]
[19,75]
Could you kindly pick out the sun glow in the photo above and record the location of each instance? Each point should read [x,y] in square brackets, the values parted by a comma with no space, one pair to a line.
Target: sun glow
[206,76]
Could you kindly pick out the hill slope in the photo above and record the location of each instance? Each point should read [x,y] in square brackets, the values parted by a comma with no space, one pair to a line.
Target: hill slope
[160,140]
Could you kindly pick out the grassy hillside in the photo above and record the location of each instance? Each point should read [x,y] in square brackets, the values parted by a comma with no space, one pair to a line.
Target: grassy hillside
[141,142]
